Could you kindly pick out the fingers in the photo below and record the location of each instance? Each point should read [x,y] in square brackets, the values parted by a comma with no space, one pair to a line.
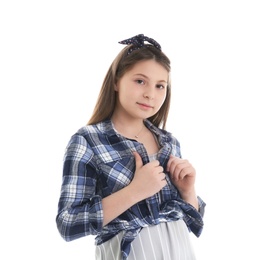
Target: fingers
[179,168]
[139,162]
[154,166]
[164,177]
[176,164]
[148,178]
[171,160]
[181,173]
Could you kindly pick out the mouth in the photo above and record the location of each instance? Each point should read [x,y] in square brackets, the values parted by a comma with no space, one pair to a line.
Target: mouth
[143,105]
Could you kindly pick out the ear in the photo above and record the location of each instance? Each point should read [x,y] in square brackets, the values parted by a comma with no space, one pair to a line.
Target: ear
[116,87]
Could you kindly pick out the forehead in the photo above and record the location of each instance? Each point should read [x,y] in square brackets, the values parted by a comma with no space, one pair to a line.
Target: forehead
[149,68]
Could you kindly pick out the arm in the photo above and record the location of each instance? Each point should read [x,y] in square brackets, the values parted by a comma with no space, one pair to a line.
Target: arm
[80,210]
[183,176]
[191,198]
[118,202]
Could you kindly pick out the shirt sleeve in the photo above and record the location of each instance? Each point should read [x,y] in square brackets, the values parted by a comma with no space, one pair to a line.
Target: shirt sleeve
[80,210]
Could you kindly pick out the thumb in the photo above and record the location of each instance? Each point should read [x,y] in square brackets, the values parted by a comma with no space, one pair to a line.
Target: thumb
[138,160]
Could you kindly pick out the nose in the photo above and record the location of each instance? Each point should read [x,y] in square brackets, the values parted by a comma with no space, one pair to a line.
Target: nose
[149,94]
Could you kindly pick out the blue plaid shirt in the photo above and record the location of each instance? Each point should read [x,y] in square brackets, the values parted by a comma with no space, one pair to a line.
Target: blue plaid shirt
[98,162]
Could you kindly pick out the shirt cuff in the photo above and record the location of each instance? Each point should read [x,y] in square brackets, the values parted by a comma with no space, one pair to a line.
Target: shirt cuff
[201,206]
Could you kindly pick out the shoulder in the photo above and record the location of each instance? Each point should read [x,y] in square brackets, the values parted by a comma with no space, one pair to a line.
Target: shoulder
[94,134]
[101,128]
[87,130]
[83,141]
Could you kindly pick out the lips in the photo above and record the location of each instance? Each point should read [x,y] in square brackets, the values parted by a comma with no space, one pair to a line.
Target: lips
[144,105]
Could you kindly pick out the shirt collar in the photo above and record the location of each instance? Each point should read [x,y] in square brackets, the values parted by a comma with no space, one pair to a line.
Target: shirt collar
[107,127]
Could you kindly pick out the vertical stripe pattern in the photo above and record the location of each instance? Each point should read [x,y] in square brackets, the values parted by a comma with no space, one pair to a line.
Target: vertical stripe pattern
[166,241]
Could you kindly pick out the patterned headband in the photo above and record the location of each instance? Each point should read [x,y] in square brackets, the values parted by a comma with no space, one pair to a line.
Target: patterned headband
[138,42]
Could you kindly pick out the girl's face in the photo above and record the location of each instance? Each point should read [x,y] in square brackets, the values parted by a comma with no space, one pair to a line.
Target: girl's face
[142,90]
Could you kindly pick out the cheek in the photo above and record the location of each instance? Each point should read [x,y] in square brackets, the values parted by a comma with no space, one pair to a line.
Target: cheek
[128,93]
[125,96]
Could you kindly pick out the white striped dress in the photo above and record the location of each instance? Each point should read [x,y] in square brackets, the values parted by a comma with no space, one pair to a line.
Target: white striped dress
[166,241]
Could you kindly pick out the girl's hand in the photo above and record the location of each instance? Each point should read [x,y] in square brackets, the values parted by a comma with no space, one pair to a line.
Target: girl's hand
[182,174]
[148,179]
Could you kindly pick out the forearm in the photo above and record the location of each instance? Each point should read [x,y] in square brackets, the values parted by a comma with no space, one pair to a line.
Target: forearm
[191,198]
[117,203]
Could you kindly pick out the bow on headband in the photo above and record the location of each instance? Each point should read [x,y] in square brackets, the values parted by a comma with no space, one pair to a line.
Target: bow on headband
[138,42]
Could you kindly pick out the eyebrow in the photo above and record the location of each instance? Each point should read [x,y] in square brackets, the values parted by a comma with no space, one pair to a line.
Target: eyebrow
[140,74]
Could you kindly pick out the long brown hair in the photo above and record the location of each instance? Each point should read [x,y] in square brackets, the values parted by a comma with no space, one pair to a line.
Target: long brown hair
[106,101]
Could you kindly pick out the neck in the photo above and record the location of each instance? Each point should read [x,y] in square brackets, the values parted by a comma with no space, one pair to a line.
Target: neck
[129,128]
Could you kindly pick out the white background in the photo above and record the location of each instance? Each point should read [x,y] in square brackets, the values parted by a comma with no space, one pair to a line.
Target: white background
[53,58]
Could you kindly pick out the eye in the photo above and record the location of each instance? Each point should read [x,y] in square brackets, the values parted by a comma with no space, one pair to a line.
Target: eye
[140,81]
[160,86]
